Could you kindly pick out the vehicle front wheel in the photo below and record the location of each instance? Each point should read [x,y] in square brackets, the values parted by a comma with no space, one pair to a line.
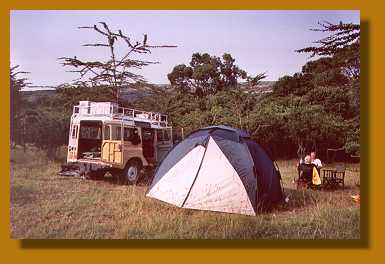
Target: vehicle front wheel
[131,172]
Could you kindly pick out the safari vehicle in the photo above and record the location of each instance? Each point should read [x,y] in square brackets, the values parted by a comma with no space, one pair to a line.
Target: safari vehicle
[105,137]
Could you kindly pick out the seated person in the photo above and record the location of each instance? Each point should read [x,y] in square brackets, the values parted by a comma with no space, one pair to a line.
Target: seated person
[306,172]
[315,161]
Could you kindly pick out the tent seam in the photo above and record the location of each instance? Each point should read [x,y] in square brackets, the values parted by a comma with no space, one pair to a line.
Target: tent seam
[196,175]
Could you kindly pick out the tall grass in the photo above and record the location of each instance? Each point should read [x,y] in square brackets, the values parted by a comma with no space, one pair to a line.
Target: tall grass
[44,205]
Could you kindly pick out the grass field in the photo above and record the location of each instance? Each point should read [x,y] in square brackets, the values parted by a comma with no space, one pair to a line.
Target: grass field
[44,205]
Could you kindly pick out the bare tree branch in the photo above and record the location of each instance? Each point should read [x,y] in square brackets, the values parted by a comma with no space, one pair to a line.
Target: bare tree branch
[115,72]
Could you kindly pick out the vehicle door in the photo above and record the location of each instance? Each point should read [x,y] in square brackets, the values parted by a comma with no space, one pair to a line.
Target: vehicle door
[73,143]
[112,144]
[132,147]
[164,142]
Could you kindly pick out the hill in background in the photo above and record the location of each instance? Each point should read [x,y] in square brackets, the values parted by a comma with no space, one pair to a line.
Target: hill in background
[33,93]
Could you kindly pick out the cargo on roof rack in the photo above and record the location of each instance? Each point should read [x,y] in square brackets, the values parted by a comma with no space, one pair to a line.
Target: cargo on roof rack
[113,110]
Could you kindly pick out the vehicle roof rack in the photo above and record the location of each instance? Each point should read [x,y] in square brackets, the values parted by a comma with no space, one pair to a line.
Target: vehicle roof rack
[114,111]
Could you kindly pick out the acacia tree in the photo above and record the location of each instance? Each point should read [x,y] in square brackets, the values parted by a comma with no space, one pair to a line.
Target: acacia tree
[343,44]
[340,59]
[116,71]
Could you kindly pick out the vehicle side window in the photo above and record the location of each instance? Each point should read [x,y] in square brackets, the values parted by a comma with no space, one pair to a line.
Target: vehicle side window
[163,135]
[131,135]
[106,132]
[116,133]
[126,133]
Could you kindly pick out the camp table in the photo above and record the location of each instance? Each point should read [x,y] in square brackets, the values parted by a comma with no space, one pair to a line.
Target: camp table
[332,178]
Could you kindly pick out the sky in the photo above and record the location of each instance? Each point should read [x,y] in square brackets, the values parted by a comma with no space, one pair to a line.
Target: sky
[260,41]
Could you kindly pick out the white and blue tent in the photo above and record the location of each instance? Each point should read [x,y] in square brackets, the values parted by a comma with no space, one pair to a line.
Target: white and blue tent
[217,168]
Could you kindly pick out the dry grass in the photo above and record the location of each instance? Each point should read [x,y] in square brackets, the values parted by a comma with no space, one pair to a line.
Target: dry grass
[44,205]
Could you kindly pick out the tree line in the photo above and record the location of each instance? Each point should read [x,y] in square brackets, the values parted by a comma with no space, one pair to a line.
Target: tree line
[316,109]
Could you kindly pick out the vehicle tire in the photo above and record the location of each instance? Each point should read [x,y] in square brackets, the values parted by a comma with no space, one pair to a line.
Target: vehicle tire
[131,173]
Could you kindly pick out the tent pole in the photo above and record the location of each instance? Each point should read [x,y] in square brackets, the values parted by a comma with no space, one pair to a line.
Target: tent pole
[196,175]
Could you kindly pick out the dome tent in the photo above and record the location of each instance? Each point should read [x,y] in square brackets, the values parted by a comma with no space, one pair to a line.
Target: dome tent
[217,168]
